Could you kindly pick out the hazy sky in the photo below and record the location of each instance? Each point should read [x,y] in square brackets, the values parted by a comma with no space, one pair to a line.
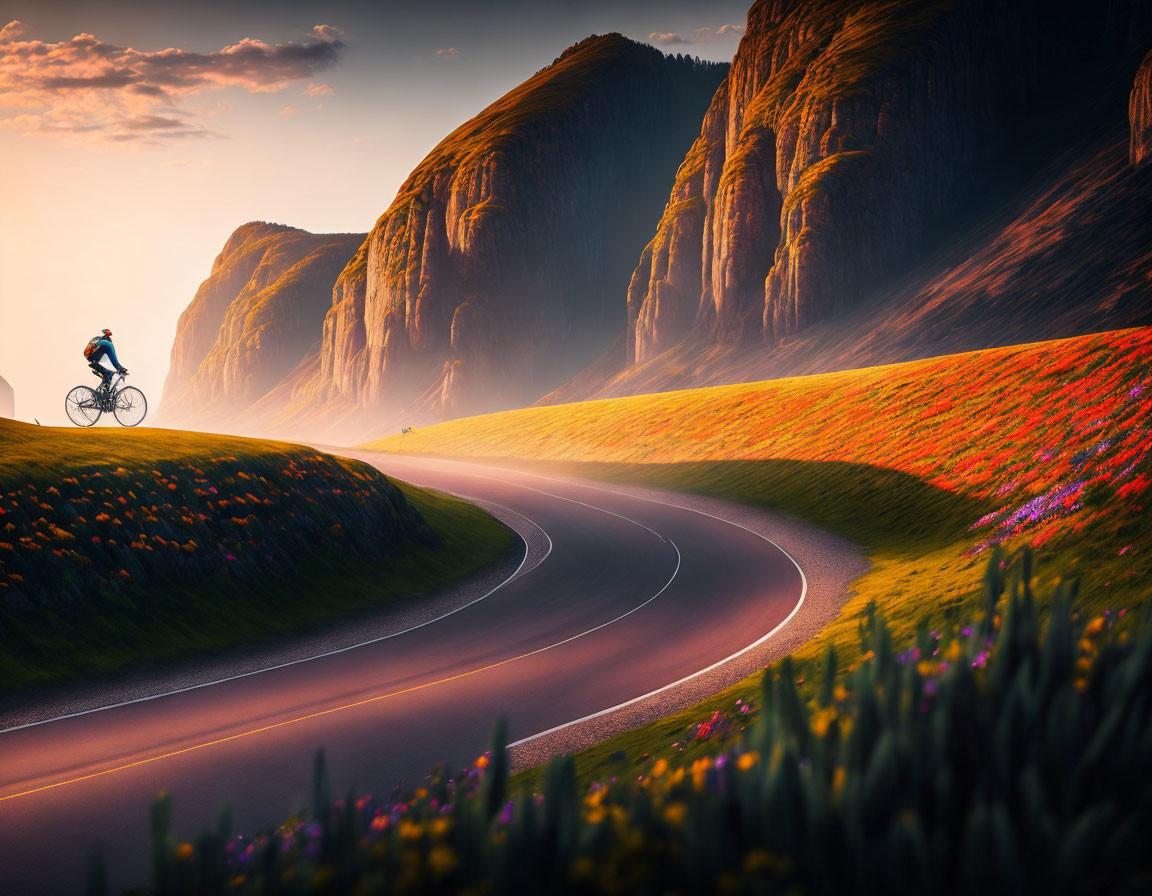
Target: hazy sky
[136,136]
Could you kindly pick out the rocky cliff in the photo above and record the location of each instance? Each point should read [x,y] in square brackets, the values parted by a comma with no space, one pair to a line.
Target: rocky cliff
[1067,252]
[7,399]
[252,321]
[495,273]
[1140,114]
[845,140]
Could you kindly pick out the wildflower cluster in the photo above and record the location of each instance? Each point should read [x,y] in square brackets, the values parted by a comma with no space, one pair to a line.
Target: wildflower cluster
[1002,757]
[110,529]
[1051,437]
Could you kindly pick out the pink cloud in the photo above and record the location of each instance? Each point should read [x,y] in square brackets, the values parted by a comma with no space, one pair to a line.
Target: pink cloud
[86,87]
[12,30]
[319,90]
[696,35]
[448,52]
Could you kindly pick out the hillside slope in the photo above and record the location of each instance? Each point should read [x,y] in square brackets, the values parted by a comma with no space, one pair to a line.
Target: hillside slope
[120,547]
[492,276]
[854,140]
[928,464]
[258,313]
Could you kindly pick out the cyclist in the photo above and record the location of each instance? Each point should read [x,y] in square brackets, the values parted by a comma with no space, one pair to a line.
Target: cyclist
[98,349]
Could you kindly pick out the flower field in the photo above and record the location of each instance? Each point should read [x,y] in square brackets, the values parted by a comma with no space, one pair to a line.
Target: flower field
[142,536]
[1003,756]
[107,530]
[927,464]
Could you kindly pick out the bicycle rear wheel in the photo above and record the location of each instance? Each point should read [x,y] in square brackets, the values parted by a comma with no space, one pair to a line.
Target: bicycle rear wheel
[130,406]
[82,406]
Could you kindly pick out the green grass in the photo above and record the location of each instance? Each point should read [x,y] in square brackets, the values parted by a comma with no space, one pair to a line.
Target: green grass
[140,626]
[46,454]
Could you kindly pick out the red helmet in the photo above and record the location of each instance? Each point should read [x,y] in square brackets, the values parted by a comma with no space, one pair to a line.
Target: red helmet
[107,334]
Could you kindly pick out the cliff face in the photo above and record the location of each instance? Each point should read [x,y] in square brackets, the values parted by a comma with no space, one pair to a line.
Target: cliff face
[1067,253]
[251,322]
[7,399]
[844,138]
[496,271]
[1140,114]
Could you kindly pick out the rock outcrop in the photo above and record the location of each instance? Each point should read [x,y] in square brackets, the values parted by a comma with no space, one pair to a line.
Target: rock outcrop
[252,321]
[1067,253]
[7,399]
[846,137]
[1140,114]
[495,273]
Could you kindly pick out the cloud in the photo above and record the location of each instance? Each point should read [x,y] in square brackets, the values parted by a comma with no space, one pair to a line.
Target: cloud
[84,87]
[289,110]
[449,53]
[13,30]
[696,35]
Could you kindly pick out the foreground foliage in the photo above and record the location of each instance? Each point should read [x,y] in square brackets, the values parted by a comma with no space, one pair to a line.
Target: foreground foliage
[1011,755]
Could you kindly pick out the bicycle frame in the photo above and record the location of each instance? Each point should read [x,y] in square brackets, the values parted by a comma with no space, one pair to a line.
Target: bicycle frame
[108,399]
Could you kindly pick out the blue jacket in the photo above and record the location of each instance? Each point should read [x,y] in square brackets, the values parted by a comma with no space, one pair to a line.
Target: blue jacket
[105,349]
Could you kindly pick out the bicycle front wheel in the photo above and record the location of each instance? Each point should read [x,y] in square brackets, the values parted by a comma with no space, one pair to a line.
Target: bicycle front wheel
[130,406]
[82,406]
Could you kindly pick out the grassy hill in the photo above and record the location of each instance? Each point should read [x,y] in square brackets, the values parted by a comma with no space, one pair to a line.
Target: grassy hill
[122,547]
[929,465]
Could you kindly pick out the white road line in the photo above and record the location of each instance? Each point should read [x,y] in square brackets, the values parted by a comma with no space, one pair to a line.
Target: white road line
[686,678]
[307,659]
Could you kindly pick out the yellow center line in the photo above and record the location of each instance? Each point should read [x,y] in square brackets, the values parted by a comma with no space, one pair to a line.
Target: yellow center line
[305,718]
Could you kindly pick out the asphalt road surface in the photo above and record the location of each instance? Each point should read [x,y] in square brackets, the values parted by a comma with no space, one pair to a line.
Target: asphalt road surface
[631,596]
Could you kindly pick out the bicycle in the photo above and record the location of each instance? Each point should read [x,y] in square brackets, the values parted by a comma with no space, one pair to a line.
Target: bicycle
[127,404]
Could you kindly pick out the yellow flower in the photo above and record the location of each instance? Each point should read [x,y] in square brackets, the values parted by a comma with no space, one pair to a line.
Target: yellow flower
[1095,626]
[408,830]
[821,721]
[442,860]
[747,760]
[184,851]
[840,693]
[700,773]
[952,654]
[674,814]
[659,768]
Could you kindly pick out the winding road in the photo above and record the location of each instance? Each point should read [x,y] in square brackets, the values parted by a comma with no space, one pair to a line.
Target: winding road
[627,595]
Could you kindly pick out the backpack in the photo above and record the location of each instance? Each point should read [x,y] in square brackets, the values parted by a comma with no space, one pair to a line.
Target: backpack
[90,348]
